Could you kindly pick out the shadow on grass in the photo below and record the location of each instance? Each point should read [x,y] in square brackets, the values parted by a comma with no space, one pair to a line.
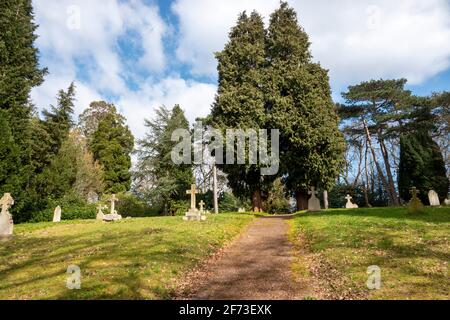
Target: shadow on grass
[129,264]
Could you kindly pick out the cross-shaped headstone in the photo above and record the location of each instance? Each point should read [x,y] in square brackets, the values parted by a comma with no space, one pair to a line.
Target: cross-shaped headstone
[414,192]
[113,203]
[348,197]
[201,204]
[313,191]
[192,192]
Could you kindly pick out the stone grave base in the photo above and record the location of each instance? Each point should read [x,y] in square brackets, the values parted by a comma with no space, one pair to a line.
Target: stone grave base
[112,217]
[194,216]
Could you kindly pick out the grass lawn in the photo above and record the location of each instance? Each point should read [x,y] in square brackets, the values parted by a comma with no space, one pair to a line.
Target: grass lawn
[413,252]
[140,258]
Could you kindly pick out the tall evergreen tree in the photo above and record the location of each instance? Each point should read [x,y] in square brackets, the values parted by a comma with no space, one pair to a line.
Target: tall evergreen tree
[240,100]
[298,102]
[421,166]
[19,73]
[111,145]
[58,120]
[161,182]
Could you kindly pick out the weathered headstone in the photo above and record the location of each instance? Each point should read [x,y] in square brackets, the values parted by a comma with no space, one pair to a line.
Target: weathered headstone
[100,214]
[201,204]
[447,202]
[313,202]
[241,210]
[433,198]
[113,216]
[193,213]
[415,206]
[350,204]
[6,220]
[57,214]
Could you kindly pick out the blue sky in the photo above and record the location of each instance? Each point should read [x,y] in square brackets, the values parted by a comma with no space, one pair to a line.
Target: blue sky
[141,54]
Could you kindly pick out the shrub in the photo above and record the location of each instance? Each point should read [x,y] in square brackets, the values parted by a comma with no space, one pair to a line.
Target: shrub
[72,206]
[129,205]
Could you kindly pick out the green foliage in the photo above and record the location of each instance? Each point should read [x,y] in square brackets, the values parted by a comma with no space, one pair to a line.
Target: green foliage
[421,166]
[19,73]
[228,202]
[73,207]
[298,101]
[58,121]
[266,80]
[240,100]
[91,117]
[111,145]
[129,205]
[376,196]
[158,180]
[277,202]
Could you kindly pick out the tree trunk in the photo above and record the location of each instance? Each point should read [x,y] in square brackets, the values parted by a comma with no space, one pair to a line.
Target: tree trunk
[385,154]
[366,183]
[256,201]
[302,200]
[374,155]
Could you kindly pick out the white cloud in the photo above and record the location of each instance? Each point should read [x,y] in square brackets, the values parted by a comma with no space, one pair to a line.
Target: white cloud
[78,41]
[356,40]
[195,99]
[89,31]
[204,27]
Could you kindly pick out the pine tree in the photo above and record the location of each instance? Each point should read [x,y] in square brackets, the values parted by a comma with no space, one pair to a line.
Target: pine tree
[240,100]
[421,166]
[298,102]
[58,121]
[19,73]
[161,182]
[112,144]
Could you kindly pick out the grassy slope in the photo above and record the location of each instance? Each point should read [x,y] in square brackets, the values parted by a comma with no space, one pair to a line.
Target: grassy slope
[131,259]
[413,252]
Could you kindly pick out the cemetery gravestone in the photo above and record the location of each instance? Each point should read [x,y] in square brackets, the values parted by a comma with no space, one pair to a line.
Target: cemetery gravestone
[325,199]
[100,214]
[447,202]
[349,204]
[193,214]
[433,198]
[113,216]
[6,220]
[201,204]
[57,214]
[313,202]
[415,206]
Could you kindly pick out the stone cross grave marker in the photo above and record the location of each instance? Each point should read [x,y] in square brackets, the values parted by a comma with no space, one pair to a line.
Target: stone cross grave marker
[113,216]
[415,206]
[201,204]
[113,204]
[313,202]
[57,214]
[193,191]
[6,220]
[350,204]
[433,198]
[193,214]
